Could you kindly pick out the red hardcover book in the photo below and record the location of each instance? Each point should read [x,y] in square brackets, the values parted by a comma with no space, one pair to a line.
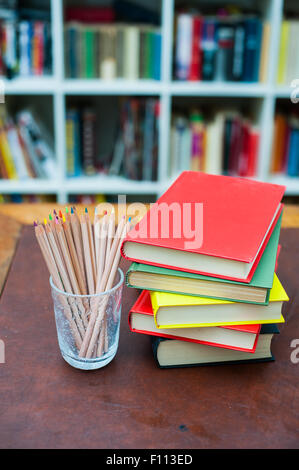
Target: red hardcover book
[253,148]
[238,337]
[235,146]
[196,57]
[243,162]
[207,224]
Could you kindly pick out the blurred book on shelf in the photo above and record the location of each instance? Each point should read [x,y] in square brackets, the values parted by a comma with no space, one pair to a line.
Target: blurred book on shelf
[26,198]
[26,148]
[98,47]
[227,144]
[87,199]
[285,148]
[224,47]
[25,41]
[288,66]
[134,150]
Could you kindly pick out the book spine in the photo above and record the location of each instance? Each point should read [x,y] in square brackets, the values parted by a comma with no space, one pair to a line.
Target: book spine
[208,45]
[196,56]
[72,144]
[253,31]
[283,51]
[243,160]
[89,141]
[183,46]
[293,160]
[224,57]
[16,151]
[238,52]
[157,55]
[253,152]
[131,60]
[7,155]
[24,48]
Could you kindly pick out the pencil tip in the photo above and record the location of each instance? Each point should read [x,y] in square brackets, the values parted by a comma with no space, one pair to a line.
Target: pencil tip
[67,210]
[130,218]
[60,214]
[34,224]
[86,211]
[72,210]
[54,212]
[56,219]
[50,217]
[105,212]
[63,218]
[45,221]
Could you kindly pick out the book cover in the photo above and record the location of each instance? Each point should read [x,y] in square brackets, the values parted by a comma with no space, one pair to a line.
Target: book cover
[236,225]
[293,158]
[239,337]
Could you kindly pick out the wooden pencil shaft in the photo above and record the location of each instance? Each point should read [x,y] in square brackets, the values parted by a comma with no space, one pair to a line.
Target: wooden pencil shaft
[87,257]
[74,257]
[91,245]
[77,236]
[68,261]
[102,253]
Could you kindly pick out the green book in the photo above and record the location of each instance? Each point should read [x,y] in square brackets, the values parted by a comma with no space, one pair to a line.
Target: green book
[143,276]
[89,53]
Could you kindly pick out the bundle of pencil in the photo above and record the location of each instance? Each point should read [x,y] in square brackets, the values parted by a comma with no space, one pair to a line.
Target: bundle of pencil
[82,258]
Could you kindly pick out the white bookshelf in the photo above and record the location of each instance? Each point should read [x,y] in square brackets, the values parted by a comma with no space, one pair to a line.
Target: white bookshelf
[167,90]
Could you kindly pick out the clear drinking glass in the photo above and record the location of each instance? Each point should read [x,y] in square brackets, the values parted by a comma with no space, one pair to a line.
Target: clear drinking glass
[88,325]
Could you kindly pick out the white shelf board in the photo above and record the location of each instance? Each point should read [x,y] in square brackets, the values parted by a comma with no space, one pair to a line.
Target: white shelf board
[283,91]
[291,183]
[111,87]
[30,85]
[178,88]
[30,186]
[108,185]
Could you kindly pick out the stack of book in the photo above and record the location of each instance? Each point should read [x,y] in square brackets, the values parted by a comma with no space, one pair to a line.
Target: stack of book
[226,144]
[222,48]
[26,148]
[285,148]
[210,292]
[288,68]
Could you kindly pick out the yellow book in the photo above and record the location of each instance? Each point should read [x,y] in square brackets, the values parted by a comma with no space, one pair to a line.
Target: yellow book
[264,52]
[186,311]
[283,52]
[6,154]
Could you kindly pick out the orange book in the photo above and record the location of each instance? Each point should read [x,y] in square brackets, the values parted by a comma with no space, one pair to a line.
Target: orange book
[280,134]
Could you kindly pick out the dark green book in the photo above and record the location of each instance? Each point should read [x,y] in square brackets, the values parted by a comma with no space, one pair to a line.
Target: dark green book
[143,276]
[170,353]
[89,53]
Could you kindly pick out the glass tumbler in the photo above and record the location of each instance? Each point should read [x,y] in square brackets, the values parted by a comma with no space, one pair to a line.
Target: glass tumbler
[88,325]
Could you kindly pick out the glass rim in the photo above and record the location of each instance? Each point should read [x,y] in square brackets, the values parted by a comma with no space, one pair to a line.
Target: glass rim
[90,296]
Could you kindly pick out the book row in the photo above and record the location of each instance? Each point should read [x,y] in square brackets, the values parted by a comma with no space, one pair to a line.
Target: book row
[285,148]
[133,152]
[26,148]
[110,51]
[222,48]
[25,48]
[218,299]
[226,144]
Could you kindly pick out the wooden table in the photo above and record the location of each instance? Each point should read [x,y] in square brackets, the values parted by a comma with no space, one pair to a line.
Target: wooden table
[13,216]
[132,403]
